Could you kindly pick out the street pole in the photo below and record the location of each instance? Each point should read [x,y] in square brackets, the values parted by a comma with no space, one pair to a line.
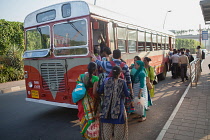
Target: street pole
[94,2]
[200,33]
[165,18]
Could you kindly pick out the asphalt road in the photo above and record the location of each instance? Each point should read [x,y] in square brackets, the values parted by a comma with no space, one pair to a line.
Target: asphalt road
[21,120]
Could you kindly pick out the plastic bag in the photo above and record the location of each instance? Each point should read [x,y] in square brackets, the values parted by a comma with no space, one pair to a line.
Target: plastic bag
[79,92]
[139,105]
[93,130]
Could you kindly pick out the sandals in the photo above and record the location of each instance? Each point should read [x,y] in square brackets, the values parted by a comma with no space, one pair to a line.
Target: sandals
[137,117]
[142,119]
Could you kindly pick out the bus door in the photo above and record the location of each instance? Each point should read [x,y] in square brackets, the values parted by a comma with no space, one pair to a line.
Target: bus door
[99,33]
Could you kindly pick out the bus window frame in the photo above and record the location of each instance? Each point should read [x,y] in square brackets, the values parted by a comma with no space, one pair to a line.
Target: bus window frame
[150,42]
[45,12]
[72,47]
[139,41]
[154,43]
[36,29]
[159,41]
[125,40]
[62,10]
[136,36]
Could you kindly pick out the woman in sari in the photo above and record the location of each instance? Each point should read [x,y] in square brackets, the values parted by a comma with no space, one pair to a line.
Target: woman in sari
[113,116]
[87,107]
[139,86]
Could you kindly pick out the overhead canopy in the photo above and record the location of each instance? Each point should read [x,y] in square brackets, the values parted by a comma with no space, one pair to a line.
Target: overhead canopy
[205,7]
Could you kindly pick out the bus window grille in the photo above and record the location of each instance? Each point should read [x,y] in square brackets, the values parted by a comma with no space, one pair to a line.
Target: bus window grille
[53,76]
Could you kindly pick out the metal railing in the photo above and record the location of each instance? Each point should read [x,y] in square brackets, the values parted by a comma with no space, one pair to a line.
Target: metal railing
[195,72]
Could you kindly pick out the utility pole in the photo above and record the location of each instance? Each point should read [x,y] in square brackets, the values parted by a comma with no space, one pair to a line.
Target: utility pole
[94,2]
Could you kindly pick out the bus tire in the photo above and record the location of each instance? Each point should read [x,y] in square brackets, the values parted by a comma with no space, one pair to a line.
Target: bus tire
[162,76]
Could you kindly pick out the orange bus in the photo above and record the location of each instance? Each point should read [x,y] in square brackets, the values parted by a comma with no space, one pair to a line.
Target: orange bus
[60,37]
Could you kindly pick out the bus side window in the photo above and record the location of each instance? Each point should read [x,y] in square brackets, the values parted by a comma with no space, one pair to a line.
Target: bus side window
[132,36]
[148,42]
[121,39]
[111,36]
[141,41]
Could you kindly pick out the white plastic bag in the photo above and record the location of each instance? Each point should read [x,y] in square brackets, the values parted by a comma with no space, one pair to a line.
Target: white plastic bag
[139,105]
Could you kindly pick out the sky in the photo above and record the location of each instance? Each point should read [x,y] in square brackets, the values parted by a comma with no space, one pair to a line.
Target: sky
[184,15]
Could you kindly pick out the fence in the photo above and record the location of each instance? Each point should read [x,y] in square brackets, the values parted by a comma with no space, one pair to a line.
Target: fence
[195,71]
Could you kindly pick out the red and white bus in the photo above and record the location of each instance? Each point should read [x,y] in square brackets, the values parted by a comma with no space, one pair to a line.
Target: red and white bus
[60,37]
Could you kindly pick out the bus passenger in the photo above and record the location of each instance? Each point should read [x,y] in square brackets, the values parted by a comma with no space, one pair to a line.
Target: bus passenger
[97,52]
[151,74]
[175,64]
[107,65]
[133,69]
[87,106]
[183,60]
[113,116]
[106,54]
[139,86]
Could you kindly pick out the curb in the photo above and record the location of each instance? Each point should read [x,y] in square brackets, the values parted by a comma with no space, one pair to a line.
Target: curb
[12,89]
[166,126]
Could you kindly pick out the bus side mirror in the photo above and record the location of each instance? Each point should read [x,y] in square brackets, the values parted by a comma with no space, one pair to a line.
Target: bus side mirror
[95,25]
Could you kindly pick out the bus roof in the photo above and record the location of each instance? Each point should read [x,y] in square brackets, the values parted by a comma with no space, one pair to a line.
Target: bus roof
[86,9]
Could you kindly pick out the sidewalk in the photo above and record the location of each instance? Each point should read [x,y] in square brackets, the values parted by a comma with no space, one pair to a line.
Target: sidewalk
[12,86]
[190,119]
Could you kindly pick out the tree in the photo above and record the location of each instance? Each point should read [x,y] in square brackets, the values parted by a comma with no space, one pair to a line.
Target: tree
[11,50]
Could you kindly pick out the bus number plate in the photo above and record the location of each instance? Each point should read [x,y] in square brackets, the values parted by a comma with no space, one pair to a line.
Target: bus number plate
[35,94]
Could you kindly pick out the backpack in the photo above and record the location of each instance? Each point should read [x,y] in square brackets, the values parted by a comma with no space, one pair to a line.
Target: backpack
[122,64]
[203,55]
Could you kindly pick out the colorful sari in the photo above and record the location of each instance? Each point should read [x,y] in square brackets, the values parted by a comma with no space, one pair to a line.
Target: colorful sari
[86,108]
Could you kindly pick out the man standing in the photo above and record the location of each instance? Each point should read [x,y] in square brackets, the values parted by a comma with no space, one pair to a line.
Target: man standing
[175,64]
[199,55]
[184,62]
[107,65]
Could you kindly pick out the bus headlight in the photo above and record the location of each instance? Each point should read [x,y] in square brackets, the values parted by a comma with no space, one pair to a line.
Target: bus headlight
[30,84]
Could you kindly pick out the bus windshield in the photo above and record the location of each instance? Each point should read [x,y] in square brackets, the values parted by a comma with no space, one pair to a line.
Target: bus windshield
[70,38]
[38,38]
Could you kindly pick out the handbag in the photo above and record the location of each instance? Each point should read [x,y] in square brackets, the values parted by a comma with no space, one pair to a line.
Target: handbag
[149,84]
[79,92]
[155,81]
[93,130]
[139,105]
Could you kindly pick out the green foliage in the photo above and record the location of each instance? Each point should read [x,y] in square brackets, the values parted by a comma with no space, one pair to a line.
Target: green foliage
[187,44]
[11,50]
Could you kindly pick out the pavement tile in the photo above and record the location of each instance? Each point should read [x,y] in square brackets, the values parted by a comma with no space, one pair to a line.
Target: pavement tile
[168,139]
[200,136]
[182,137]
[184,128]
[173,127]
[186,133]
[176,123]
[192,118]
[172,131]
[201,123]
[188,125]
[201,126]
[207,132]
[169,135]
[199,130]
